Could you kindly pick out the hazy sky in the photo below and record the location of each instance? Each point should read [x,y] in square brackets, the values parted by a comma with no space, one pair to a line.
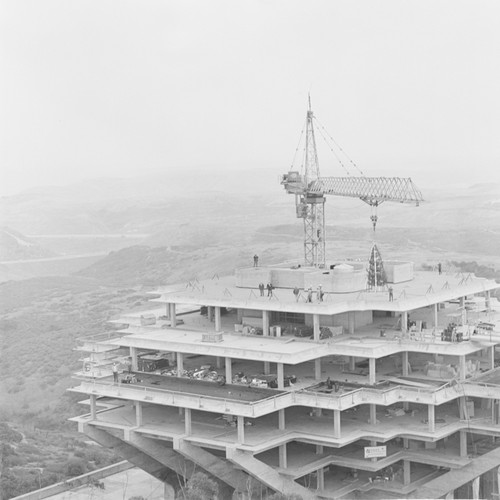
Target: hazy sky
[122,88]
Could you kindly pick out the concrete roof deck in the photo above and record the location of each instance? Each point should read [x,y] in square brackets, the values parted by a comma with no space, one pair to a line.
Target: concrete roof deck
[425,289]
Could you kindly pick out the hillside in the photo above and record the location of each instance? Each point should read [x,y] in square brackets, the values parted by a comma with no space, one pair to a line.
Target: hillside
[16,246]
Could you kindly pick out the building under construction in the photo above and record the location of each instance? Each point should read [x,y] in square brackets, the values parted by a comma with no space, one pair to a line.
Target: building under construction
[327,379]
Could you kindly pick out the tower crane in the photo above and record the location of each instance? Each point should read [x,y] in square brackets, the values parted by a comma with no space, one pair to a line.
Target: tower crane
[310,190]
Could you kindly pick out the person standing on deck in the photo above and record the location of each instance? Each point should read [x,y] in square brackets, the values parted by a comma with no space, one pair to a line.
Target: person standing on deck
[255,260]
[391,294]
[296,292]
[115,373]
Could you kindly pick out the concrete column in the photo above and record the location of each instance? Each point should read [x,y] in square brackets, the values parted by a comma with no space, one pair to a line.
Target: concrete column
[462,302]
[173,317]
[436,320]
[239,315]
[267,368]
[229,370]
[406,443]
[167,310]
[281,376]
[487,300]
[218,326]
[187,421]
[461,407]
[406,472]
[138,413]
[372,374]
[463,444]
[281,420]
[218,362]
[336,424]
[93,407]
[352,363]
[317,369]
[491,357]
[282,456]
[373,443]
[133,356]
[450,495]
[180,363]
[404,364]
[475,488]
[350,322]
[404,321]
[461,372]
[265,323]
[319,449]
[373,414]
[210,313]
[241,429]
[316,326]
[321,479]
[431,418]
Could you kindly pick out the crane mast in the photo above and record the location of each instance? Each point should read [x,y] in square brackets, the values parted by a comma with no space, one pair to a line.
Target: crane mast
[310,190]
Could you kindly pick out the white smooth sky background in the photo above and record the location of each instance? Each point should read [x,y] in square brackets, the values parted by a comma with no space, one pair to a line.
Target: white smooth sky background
[124,88]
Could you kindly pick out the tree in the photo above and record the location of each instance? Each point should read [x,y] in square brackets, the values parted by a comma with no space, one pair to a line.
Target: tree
[376,273]
[199,487]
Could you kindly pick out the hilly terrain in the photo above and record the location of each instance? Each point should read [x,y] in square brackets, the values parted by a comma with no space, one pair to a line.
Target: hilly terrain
[95,249]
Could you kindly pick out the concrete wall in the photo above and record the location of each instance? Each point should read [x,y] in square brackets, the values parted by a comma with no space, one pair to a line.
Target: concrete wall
[398,271]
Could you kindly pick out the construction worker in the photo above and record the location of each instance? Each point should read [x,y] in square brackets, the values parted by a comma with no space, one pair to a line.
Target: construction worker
[261,288]
[296,292]
[255,260]
[391,294]
[439,268]
[115,373]
[320,294]
[269,290]
[309,294]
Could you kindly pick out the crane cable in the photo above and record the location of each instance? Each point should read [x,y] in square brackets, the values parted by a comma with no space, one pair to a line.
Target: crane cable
[340,148]
[334,153]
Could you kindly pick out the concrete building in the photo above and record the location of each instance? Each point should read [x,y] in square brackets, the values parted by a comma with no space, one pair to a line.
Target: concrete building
[334,392]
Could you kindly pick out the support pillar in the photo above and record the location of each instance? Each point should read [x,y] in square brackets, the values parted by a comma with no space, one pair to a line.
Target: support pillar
[336,424]
[210,313]
[352,363]
[283,456]
[350,322]
[187,421]
[218,362]
[450,495]
[316,329]
[491,359]
[241,429]
[475,487]
[321,479]
[133,357]
[463,444]
[431,417]
[167,310]
[404,321]
[461,372]
[436,309]
[265,323]
[229,370]
[319,449]
[404,364]
[406,472]
[317,369]
[138,413]
[267,368]
[281,420]
[373,414]
[218,326]
[173,317]
[180,364]
[372,374]
[487,300]
[93,407]
[281,376]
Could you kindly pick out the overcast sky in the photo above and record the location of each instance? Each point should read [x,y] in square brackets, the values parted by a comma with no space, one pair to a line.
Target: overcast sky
[123,88]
